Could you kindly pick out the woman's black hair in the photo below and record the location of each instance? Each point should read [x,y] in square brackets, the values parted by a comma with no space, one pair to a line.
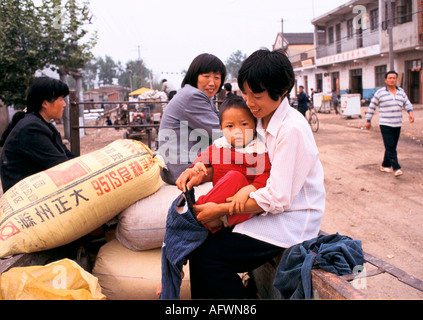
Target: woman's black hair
[267,70]
[234,102]
[42,89]
[204,63]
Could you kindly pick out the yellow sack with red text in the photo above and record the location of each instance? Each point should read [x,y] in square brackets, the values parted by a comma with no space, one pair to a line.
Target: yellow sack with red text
[60,280]
[62,204]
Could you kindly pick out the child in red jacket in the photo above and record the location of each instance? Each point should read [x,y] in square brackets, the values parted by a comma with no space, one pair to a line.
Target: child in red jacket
[239,162]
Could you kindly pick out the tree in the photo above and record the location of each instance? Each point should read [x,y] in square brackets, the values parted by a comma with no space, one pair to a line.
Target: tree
[89,72]
[33,38]
[138,72]
[20,54]
[234,62]
[64,26]
[107,69]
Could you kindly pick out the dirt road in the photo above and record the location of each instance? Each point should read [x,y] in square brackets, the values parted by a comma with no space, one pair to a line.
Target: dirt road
[384,212]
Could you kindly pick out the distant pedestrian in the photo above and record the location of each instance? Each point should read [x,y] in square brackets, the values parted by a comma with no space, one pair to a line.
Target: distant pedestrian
[390,100]
[228,89]
[168,88]
[302,101]
[335,101]
[108,121]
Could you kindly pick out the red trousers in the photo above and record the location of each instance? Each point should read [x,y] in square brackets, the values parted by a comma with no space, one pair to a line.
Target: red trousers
[226,187]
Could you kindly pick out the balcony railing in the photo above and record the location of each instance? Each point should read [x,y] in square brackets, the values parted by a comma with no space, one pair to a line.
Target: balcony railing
[363,40]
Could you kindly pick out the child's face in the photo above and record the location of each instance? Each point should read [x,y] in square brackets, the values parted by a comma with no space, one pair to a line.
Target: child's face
[238,126]
[260,104]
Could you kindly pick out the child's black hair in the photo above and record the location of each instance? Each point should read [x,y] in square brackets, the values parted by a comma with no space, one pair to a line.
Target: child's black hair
[234,102]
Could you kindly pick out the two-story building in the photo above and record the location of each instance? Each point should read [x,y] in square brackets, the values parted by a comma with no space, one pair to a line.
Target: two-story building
[352,48]
[300,50]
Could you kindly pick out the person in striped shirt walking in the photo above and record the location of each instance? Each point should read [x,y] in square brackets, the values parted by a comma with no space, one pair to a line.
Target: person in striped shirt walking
[391,100]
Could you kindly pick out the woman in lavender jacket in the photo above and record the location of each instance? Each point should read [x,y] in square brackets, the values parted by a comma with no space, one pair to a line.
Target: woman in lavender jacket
[190,122]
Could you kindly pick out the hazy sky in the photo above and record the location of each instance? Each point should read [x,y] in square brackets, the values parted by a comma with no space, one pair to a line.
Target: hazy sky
[169,34]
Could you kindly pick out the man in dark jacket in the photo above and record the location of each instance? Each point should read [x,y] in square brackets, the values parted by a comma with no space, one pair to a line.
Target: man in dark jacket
[302,101]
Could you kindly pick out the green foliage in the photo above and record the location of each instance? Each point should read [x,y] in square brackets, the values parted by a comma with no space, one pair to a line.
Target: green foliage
[106,70]
[33,38]
[138,73]
[234,62]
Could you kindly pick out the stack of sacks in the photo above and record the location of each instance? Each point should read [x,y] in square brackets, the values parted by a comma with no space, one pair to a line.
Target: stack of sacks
[64,203]
[129,267]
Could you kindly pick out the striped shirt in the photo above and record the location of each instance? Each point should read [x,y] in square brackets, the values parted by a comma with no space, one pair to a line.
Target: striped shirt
[390,107]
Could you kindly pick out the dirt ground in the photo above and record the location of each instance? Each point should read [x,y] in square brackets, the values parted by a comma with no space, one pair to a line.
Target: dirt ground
[384,212]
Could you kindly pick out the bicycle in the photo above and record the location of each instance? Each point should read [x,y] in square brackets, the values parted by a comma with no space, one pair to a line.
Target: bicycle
[313,119]
[311,115]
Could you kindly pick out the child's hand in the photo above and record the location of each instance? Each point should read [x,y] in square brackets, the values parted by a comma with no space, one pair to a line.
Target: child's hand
[188,179]
[237,202]
[200,167]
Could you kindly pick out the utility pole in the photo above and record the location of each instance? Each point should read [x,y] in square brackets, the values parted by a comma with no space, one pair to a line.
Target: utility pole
[283,41]
[390,23]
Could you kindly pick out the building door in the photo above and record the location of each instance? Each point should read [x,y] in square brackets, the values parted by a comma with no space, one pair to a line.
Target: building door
[335,82]
[306,84]
[319,82]
[414,90]
[414,87]
[356,81]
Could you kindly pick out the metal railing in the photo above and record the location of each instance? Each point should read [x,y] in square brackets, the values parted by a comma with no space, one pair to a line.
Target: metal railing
[75,126]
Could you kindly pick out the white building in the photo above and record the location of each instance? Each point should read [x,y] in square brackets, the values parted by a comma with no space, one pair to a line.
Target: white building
[352,48]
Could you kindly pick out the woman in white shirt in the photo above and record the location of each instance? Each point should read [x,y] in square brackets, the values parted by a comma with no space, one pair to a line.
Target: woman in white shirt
[288,209]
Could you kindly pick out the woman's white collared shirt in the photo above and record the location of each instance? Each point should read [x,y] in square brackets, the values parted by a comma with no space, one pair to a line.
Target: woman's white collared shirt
[294,197]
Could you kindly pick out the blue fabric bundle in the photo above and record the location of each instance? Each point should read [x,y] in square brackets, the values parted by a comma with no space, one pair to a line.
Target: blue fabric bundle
[334,253]
[183,235]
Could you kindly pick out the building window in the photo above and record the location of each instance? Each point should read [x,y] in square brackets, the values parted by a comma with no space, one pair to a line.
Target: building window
[359,35]
[321,36]
[374,19]
[386,22]
[350,28]
[404,11]
[330,35]
[380,76]
[338,38]
[303,56]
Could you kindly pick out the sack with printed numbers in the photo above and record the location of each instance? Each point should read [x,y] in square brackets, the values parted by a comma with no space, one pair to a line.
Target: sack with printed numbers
[60,280]
[60,205]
